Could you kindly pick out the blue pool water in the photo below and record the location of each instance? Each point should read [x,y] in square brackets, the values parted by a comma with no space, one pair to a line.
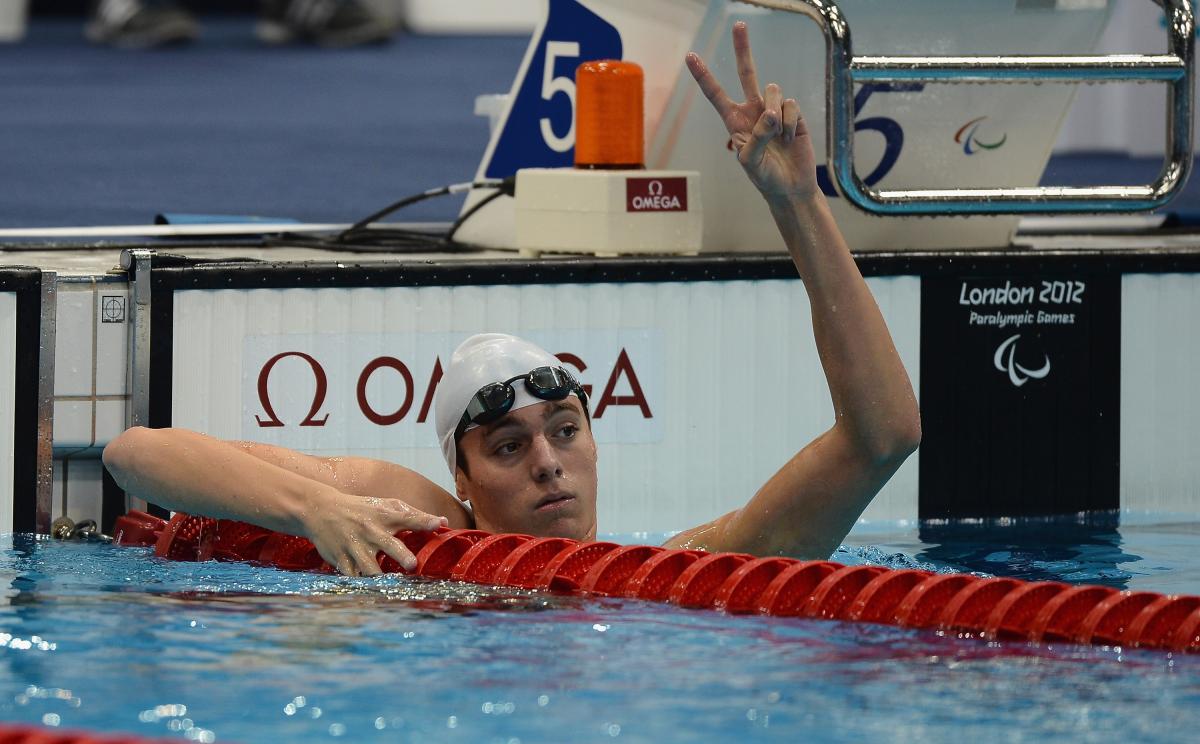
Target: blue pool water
[114,640]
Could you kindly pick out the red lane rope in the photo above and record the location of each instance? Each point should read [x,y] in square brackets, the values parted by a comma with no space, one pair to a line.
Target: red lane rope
[997,608]
[17,734]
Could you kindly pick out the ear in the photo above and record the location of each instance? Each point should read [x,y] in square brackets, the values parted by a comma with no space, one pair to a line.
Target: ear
[461,488]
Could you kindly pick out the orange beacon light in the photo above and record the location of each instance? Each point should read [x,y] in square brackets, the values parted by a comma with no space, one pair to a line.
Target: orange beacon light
[608,115]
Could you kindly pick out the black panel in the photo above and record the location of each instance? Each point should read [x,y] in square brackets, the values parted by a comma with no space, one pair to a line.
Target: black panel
[162,324]
[1020,393]
[162,313]
[27,284]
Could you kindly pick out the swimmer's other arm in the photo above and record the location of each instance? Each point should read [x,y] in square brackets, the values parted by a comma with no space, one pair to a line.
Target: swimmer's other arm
[807,507]
[810,504]
[348,506]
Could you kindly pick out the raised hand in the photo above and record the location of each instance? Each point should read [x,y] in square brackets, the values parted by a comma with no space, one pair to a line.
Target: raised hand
[768,133]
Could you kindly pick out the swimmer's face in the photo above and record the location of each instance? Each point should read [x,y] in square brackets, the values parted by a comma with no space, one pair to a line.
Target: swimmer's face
[533,471]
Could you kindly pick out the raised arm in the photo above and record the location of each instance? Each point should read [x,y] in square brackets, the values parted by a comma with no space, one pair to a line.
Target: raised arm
[806,508]
[349,507]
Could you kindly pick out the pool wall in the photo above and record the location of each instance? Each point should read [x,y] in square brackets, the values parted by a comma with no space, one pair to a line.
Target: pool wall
[1051,382]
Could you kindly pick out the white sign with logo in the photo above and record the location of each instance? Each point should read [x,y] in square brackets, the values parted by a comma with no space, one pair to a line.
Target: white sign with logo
[700,390]
[367,393]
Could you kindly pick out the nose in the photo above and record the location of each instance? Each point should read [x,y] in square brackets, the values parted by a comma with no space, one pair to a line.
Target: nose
[544,460]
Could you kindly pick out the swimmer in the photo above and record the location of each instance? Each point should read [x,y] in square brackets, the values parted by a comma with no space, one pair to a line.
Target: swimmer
[514,425]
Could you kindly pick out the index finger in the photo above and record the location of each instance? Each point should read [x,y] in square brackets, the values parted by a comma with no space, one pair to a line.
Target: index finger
[709,86]
[394,548]
[747,73]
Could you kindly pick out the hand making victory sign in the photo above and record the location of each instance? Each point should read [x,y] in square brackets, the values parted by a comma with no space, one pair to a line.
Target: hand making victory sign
[769,134]
[813,500]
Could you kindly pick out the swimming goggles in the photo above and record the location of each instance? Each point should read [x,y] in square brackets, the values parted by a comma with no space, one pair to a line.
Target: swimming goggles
[496,399]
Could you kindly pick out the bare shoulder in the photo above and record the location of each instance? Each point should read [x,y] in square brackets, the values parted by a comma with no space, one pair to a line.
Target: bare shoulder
[365,476]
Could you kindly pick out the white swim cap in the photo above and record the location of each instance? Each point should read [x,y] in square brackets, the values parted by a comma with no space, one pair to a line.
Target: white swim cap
[480,360]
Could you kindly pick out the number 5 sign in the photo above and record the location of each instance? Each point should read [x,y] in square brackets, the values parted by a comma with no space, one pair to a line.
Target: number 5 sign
[539,131]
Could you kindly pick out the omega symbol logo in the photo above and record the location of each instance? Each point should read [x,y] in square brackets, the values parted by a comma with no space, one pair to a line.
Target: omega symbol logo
[1006,361]
[656,194]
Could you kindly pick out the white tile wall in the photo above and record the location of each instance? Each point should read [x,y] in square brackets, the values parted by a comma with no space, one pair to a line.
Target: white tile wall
[85,486]
[112,340]
[90,359]
[110,420]
[72,425]
[79,485]
[73,340]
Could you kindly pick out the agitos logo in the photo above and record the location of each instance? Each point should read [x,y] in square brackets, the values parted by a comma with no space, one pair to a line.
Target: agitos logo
[1005,360]
[966,136]
[622,369]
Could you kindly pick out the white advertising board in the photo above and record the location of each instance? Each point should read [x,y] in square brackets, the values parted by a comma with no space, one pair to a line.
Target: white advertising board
[700,390]
[8,393]
[913,136]
[1160,401]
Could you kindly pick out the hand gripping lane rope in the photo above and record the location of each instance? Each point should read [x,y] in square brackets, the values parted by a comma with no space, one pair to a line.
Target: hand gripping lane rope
[991,608]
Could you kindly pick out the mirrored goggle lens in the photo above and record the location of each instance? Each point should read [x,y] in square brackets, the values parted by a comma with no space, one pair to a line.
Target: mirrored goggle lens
[494,396]
[548,382]
[493,402]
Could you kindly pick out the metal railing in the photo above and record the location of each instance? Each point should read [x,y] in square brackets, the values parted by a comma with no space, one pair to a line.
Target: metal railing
[843,70]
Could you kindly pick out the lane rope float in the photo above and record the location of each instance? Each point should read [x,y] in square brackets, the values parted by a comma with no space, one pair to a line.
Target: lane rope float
[989,608]
[25,734]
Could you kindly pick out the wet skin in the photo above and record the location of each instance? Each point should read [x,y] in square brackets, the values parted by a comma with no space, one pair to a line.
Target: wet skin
[532,472]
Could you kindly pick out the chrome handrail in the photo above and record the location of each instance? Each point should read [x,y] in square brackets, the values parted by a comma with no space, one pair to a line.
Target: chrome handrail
[1176,69]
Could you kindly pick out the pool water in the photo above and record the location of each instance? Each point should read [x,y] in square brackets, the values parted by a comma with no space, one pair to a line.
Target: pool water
[114,640]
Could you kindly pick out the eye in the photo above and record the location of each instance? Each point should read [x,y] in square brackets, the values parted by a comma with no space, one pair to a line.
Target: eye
[568,431]
[507,448]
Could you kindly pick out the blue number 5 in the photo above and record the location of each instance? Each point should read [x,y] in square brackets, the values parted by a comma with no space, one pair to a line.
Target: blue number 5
[893,135]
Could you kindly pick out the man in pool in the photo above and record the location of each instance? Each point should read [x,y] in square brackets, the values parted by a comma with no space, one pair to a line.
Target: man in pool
[514,425]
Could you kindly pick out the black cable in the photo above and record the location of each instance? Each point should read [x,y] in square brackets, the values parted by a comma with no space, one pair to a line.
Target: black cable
[449,239]
[406,201]
[362,235]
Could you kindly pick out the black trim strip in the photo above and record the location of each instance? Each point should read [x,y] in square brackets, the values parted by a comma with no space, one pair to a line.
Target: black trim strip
[112,501]
[183,274]
[162,340]
[27,284]
[162,343]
